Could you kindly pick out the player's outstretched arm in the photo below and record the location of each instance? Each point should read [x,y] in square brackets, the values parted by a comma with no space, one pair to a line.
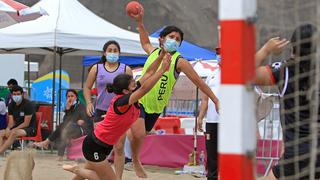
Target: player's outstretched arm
[144,35]
[150,82]
[185,67]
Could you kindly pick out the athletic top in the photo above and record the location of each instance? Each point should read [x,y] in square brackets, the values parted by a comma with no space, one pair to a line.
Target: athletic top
[157,98]
[213,81]
[119,118]
[295,109]
[103,77]
[26,108]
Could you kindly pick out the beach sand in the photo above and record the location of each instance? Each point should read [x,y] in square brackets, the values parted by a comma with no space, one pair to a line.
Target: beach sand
[48,168]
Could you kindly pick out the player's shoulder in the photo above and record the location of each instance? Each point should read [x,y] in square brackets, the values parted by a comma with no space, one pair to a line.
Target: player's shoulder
[26,101]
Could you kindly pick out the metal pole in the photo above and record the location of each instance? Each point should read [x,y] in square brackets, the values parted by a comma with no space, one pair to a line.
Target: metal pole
[82,78]
[195,128]
[53,84]
[28,58]
[60,71]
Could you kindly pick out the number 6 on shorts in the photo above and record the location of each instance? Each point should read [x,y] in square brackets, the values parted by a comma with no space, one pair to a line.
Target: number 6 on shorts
[96,156]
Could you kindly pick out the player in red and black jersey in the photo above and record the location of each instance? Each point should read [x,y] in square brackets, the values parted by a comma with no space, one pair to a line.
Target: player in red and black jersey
[123,111]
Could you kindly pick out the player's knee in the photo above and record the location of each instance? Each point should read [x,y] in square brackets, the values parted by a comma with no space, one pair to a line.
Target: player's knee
[119,149]
[138,135]
[14,133]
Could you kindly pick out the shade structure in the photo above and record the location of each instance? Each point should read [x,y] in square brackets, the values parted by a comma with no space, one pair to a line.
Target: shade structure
[12,12]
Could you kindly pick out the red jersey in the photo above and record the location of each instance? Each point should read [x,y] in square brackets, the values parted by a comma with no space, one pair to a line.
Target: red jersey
[119,118]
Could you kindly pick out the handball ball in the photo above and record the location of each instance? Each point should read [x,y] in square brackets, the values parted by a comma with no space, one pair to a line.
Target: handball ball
[134,8]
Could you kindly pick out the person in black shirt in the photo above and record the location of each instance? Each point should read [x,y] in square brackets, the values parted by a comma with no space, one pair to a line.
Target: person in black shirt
[294,79]
[22,119]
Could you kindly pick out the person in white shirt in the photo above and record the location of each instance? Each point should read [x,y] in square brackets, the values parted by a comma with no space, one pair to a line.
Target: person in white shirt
[212,120]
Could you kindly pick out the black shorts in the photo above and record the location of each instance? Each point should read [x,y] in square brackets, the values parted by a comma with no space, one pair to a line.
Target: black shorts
[98,115]
[30,131]
[94,150]
[286,166]
[149,119]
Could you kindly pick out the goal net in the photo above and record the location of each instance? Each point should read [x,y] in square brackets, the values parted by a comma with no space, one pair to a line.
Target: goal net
[298,78]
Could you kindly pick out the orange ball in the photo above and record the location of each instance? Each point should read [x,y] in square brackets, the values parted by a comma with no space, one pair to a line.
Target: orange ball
[133,7]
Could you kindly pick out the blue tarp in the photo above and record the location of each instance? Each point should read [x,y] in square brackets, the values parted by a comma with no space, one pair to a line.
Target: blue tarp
[188,50]
[42,88]
[128,60]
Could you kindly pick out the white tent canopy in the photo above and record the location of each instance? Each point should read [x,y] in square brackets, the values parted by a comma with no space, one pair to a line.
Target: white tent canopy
[70,26]
[68,29]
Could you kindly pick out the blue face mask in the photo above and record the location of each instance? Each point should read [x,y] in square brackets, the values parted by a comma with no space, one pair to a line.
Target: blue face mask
[17,98]
[218,59]
[171,45]
[112,57]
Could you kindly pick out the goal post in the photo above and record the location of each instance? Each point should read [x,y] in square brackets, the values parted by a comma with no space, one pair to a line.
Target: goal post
[237,128]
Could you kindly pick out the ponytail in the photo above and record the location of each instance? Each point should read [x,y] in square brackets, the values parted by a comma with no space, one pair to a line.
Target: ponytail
[120,82]
[103,59]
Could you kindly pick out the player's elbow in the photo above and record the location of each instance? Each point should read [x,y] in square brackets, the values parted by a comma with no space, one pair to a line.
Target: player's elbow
[144,89]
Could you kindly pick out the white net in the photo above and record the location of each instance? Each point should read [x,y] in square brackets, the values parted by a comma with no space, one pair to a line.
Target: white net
[299,107]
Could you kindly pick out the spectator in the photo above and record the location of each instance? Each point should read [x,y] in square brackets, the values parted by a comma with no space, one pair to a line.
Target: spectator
[75,124]
[22,119]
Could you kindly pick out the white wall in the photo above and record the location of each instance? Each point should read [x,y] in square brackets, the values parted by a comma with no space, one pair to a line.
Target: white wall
[11,66]
[34,66]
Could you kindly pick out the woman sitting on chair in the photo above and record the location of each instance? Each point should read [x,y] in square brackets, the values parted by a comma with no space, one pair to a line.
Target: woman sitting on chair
[75,124]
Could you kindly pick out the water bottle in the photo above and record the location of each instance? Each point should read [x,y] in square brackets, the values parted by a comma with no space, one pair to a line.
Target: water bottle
[199,174]
[160,132]
[201,158]
[178,172]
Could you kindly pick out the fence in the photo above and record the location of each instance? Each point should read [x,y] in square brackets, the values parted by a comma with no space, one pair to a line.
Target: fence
[269,143]
[180,107]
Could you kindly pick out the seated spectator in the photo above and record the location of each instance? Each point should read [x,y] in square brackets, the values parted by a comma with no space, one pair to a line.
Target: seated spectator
[22,119]
[75,124]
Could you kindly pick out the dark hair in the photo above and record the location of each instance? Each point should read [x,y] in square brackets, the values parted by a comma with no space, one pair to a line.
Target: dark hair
[120,83]
[73,91]
[12,82]
[169,29]
[105,47]
[302,42]
[16,88]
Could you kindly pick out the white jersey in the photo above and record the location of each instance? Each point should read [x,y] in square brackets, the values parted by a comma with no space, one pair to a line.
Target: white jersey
[213,81]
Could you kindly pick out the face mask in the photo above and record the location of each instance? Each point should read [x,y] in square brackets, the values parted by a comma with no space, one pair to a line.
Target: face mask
[171,45]
[74,102]
[112,57]
[17,98]
[218,59]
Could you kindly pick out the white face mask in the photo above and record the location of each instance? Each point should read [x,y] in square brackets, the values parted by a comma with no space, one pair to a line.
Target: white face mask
[74,102]
[17,98]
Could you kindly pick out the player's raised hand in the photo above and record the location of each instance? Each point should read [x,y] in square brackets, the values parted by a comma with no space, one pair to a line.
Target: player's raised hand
[276,45]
